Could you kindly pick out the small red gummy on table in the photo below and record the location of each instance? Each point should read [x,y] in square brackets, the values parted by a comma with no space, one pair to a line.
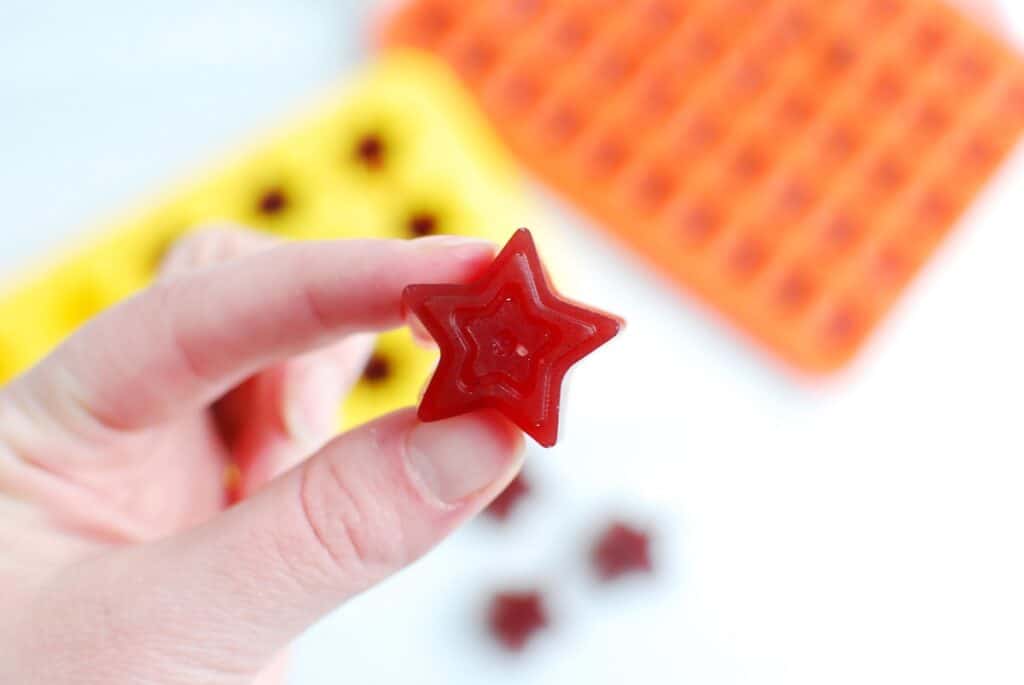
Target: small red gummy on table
[515,616]
[504,503]
[621,550]
[507,340]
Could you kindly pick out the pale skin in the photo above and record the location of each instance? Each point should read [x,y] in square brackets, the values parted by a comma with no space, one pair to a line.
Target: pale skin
[120,560]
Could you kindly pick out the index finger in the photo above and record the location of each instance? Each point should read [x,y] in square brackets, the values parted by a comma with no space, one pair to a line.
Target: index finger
[181,344]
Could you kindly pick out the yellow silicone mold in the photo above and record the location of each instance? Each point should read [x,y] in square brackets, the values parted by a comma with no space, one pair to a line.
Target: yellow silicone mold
[400,151]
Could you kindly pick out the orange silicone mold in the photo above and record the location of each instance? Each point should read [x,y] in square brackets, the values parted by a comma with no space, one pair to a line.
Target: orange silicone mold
[793,162]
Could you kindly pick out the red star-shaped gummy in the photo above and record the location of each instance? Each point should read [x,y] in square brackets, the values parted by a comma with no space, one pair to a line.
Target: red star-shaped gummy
[515,616]
[507,340]
[621,550]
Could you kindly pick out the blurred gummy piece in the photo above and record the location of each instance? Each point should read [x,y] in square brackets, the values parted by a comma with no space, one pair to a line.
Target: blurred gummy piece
[515,616]
[621,550]
[509,499]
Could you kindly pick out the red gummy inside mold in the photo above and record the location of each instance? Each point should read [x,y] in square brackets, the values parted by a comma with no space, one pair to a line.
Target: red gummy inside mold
[422,224]
[377,369]
[370,150]
[273,201]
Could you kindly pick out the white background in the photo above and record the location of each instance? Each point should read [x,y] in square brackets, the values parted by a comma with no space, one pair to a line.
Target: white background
[868,529]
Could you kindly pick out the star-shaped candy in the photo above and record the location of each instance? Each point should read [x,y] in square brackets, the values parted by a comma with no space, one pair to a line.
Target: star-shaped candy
[620,550]
[507,340]
[515,616]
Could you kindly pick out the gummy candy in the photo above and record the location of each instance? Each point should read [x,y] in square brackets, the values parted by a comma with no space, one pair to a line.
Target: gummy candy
[377,369]
[509,498]
[515,616]
[371,150]
[621,549]
[422,224]
[507,340]
[273,201]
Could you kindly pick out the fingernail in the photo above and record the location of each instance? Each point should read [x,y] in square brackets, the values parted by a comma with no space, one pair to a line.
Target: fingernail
[457,458]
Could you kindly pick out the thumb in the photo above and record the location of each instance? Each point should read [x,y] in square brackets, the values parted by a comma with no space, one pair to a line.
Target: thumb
[217,602]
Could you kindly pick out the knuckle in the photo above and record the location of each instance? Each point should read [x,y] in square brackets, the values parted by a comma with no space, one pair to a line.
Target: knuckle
[213,243]
[360,534]
[188,251]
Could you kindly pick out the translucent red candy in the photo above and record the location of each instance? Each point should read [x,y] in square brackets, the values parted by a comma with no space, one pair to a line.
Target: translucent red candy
[515,616]
[621,550]
[504,503]
[507,340]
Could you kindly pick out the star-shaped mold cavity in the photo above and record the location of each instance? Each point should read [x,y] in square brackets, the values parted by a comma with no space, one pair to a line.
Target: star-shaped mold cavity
[507,340]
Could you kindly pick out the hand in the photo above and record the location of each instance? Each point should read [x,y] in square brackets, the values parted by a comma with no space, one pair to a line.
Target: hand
[121,562]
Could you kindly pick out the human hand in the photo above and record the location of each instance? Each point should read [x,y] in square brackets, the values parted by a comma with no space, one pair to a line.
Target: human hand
[121,561]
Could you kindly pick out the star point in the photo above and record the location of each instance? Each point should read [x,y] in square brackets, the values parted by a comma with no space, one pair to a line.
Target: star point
[507,340]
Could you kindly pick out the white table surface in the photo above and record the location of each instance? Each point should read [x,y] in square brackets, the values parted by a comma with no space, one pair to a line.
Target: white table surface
[869,529]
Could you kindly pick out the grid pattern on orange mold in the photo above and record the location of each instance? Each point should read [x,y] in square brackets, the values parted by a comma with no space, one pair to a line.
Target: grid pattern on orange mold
[793,162]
